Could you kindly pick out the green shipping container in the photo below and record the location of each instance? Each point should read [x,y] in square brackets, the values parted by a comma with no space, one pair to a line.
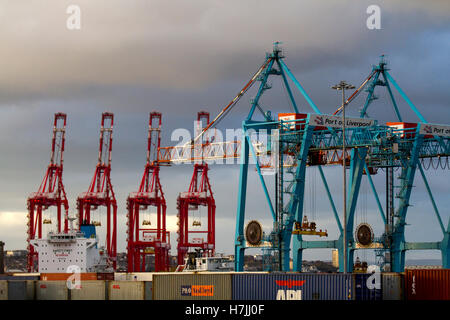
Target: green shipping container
[200,286]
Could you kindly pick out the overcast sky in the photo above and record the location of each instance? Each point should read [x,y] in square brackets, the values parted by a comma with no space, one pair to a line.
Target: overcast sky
[179,57]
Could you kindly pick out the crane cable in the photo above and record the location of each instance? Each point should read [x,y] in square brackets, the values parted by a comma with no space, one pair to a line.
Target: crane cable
[233,102]
[356,92]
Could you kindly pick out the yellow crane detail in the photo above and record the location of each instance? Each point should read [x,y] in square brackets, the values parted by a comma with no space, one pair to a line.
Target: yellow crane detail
[308,228]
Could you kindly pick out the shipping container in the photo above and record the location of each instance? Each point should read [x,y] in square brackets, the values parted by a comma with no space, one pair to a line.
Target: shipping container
[198,286]
[3,290]
[89,290]
[21,289]
[105,276]
[367,286]
[293,116]
[120,276]
[292,286]
[148,287]
[139,276]
[392,286]
[126,290]
[408,128]
[52,290]
[65,276]
[427,284]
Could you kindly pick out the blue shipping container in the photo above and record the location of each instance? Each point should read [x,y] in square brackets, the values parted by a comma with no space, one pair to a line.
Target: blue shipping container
[368,286]
[292,286]
[23,278]
[21,290]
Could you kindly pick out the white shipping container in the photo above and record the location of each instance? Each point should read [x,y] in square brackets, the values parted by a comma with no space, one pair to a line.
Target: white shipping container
[126,290]
[139,276]
[52,290]
[120,276]
[89,290]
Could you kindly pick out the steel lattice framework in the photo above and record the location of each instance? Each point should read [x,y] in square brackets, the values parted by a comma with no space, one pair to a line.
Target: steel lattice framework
[198,195]
[100,192]
[367,150]
[144,241]
[51,192]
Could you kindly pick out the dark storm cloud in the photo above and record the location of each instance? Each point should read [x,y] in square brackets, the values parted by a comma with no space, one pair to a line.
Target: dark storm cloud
[181,45]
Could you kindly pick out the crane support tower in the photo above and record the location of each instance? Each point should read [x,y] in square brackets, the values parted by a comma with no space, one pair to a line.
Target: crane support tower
[304,140]
[422,147]
[296,141]
[100,192]
[199,195]
[51,192]
[142,240]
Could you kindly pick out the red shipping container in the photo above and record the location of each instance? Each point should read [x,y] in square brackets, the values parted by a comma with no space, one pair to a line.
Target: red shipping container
[65,276]
[427,284]
[406,125]
[105,276]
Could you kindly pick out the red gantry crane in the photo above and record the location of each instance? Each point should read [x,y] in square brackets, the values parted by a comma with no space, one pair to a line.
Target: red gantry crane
[100,192]
[143,240]
[199,195]
[51,193]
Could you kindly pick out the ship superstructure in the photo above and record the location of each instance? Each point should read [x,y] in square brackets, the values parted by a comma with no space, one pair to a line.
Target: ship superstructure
[74,251]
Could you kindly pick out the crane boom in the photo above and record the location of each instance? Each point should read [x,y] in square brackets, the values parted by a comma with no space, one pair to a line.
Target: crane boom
[233,102]
[100,192]
[50,193]
[355,93]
